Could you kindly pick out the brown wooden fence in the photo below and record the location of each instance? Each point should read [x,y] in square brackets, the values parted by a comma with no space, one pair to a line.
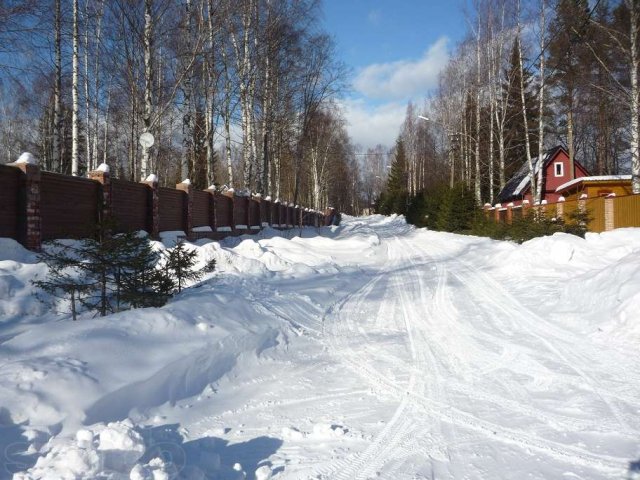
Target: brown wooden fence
[10,202]
[37,206]
[604,213]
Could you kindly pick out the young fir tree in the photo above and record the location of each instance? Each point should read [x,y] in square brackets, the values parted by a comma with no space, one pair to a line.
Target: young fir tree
[395,197]
[65,279]
[180,264]
[107,274]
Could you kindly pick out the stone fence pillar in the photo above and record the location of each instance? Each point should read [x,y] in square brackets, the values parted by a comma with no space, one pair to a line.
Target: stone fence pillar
[153,207]
[103,177]
[30,229]
[609,212]
[187,210]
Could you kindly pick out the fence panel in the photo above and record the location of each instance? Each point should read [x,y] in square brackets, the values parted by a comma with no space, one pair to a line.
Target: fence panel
[69,206]
[626,211]
[240,205]
[172,209]
[11,205]
[274,219]
[595,209]
[201,213]
[254,213]
[130,205]
[224,211]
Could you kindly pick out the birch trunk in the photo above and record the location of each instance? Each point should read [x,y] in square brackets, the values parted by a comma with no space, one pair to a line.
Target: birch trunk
[634,11]
[477,184]
[87,107]
[187,127]
[538,189]
[56,163]
[75,120]
[148,82]
[532,180]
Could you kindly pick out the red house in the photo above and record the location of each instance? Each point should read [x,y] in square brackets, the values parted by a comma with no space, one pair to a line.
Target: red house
[556,171]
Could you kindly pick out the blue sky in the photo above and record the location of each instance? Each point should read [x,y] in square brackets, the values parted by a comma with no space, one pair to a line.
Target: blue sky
[395,50]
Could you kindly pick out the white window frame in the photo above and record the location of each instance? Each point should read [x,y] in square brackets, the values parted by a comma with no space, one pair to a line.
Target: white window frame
[555,169]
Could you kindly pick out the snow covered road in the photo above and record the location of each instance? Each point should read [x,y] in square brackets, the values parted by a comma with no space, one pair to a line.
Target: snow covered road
[379,351]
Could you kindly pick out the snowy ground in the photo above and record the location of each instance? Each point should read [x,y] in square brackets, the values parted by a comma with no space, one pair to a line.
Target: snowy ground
[370,350]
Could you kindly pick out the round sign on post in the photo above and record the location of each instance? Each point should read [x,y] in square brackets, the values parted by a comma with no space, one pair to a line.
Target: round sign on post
[146,140]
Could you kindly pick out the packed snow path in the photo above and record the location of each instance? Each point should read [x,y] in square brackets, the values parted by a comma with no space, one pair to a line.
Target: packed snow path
[382,351]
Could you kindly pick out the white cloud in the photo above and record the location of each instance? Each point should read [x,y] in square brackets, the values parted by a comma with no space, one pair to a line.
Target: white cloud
[403,78]
[369,125]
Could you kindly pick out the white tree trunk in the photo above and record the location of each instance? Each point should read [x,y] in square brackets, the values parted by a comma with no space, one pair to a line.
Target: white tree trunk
[187,123]
[538,189]
[527,143]
[148,82]
[75,120]
[634,11]
[477,184]
[57,94]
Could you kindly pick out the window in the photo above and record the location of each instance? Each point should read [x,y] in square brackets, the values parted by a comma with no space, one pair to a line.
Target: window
[559,169]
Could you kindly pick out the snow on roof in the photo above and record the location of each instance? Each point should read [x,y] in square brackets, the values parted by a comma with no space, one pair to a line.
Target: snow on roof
[152,178]
[598,178]
[103,167]
[27,157]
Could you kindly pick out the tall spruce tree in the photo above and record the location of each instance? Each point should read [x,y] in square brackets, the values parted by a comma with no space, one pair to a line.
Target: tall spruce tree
[570,61]
[515,151]
[396,196]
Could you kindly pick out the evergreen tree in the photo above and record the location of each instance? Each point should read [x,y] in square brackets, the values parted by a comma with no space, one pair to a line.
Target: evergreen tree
[180,265]
[395,197]
[571,62]
[515,150]
[65,279]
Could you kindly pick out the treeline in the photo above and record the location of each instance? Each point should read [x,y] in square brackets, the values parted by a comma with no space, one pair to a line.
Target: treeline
[238,93]
[530,75]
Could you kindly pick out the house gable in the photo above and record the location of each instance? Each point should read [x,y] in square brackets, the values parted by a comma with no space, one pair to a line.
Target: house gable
[556,172]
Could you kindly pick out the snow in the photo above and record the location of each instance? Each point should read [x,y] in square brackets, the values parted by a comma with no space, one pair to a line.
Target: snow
[367,350]
[103,167]
[204,228]
[598,178]
[28,158]
[152,178]
[186,181]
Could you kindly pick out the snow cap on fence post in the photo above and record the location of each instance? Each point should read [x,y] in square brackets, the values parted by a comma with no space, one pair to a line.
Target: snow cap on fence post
[102,176]
[187,211]
[609,212]
[30,221]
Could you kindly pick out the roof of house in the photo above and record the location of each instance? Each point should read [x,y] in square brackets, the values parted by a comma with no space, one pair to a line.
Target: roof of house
[599,178]
[517,185]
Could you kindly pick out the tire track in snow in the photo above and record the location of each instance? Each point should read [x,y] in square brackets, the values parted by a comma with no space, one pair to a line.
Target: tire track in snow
[456,416]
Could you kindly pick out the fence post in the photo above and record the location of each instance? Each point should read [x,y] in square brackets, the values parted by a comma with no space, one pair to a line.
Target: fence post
[582,203]
[187,213]
[232,214]
[212,207]
[486,208]
[496,212]
[31,231]
[103,177]
[609,212]
[153,207]
[560,208]
[510,213]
